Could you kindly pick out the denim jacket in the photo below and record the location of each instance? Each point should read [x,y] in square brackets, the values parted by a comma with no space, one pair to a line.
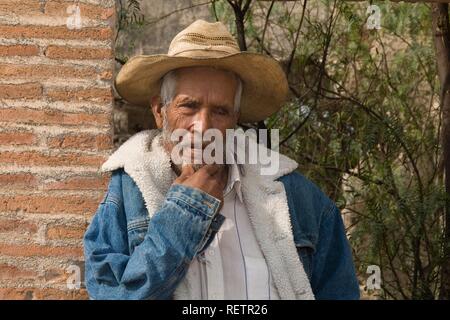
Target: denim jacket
[136,251]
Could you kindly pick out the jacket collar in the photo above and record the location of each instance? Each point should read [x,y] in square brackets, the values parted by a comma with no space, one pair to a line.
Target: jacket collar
[148,164]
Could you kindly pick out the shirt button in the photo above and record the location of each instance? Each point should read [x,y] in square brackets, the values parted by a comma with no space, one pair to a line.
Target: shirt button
[211,252]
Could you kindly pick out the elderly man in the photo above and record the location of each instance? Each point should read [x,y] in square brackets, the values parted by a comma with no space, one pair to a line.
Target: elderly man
[171,230]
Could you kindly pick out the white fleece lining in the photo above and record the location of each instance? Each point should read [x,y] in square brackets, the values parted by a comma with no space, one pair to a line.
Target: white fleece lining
[146,162]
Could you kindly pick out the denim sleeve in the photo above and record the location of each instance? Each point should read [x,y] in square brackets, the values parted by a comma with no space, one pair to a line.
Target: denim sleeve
[333,274]
[175,234]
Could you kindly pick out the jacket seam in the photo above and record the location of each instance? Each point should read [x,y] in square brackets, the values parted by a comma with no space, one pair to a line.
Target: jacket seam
[112,200]
[326,212]
[196,209]
[138,224]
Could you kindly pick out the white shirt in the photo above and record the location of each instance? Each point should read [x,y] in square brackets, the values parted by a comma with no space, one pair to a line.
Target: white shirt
[233,266]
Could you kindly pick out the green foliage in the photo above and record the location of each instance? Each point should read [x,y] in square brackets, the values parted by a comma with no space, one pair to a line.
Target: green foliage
[129,17]
[369,128]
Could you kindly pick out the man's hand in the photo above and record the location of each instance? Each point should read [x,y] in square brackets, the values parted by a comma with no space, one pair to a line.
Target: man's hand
[211,178]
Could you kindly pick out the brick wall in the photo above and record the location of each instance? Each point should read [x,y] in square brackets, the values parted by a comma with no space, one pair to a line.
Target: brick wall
[56,71]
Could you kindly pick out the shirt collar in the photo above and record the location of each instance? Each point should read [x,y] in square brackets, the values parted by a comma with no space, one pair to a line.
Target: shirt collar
[234,180]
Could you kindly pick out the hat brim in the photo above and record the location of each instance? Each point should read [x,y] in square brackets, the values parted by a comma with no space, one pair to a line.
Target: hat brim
[264,83]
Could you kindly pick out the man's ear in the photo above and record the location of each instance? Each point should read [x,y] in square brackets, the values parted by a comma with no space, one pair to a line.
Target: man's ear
[156,106]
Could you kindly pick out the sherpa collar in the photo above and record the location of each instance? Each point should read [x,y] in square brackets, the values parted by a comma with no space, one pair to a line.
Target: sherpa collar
[148,164]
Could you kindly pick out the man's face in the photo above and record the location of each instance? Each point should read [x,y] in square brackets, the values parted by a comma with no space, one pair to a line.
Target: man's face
[204,99]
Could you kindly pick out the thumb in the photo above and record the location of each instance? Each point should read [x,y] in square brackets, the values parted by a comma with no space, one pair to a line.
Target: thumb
[186,171]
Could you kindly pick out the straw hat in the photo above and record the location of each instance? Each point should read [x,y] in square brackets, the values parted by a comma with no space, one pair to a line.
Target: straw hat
[202,43]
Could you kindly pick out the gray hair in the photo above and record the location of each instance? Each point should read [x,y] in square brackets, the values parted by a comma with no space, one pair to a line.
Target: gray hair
[169,84]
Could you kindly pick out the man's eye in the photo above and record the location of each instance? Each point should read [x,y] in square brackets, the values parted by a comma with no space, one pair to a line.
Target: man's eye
[186,106]
[222,111]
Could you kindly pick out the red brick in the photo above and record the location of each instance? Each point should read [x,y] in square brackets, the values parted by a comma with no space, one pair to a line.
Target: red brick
[58,52]
[56,294]
[8,272]
[20,91]
[19,50]
[16,294]
[35,158]
[80,141]
[46,71]
[17,180]
[46,32]
[79,183]
[42,294]
[53,8]
[9,7]
[74,204]
[17,138]
[22,115]
[32,250]
[17,225]
[90,94]
[62,233]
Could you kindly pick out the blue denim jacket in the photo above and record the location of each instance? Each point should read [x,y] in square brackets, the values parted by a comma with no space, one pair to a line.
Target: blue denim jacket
[130,256]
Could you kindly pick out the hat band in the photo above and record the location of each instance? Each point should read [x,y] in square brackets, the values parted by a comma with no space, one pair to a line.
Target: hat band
[202,53]
[201,39]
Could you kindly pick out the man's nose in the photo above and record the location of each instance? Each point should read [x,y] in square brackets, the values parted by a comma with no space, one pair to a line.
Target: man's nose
[202,121]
